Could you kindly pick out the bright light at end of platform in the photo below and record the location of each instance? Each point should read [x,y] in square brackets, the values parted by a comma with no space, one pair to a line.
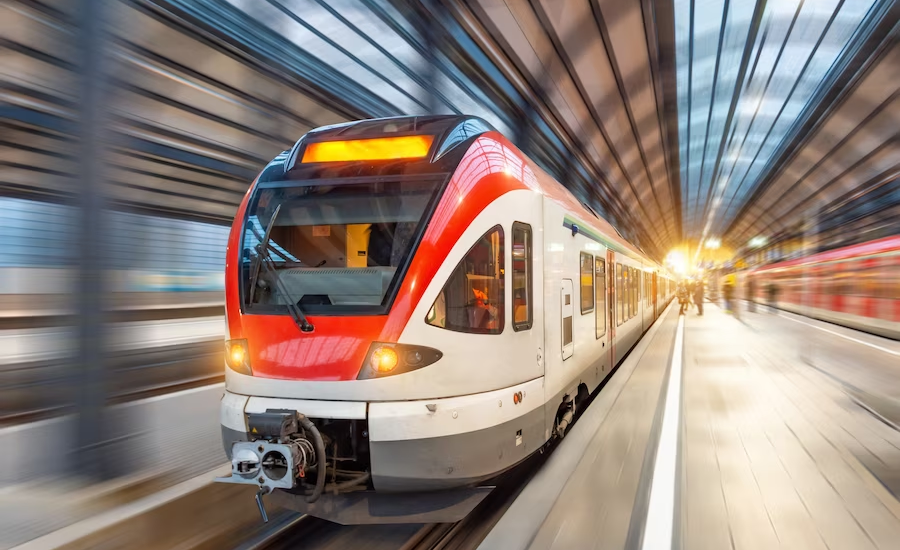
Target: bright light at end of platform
[713,244]
[757,241]
[677,262]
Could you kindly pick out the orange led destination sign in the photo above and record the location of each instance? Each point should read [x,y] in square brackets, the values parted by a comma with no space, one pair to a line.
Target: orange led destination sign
[388,148]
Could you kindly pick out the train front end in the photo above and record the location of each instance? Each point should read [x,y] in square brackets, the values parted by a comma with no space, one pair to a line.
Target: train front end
[328,258]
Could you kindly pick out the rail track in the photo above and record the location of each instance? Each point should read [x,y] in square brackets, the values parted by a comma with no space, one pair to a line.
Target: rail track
[288,530]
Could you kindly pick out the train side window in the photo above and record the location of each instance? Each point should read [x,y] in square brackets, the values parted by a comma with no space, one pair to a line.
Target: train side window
[632,291]
[620,295]
[641,290]
[472,299]
[629,289]
[600,295]
[637,291]
[626,294]
[587,283]
[632,277]
[521,276]
[645,288]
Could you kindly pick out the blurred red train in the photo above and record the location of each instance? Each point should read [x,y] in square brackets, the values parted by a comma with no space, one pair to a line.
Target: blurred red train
[856,286]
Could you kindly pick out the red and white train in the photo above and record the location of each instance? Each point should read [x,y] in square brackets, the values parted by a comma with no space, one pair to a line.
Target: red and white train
[414,305]
[856,286]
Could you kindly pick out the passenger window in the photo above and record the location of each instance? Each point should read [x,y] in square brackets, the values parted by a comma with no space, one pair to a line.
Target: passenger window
[637,288]
[629,290]
[521,276]
[600,296]
[472,299]
[587,283]
[620,295]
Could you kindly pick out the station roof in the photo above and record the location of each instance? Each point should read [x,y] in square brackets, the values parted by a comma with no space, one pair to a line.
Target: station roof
[676,120]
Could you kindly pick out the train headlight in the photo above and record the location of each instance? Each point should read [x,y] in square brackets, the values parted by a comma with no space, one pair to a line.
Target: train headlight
[384,359]
[388,359]
[237,356]
[414,357]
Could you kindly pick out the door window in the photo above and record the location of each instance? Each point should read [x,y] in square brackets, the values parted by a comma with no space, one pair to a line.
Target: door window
[521,276]
[600,295]
[567,310]
[620,295]
[587,283]
[472,299]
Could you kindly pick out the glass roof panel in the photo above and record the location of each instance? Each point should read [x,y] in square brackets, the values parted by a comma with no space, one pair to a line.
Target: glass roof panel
[349,37]
[797,44]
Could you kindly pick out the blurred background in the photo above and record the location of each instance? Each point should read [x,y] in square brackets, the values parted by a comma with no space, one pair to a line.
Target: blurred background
[131,129]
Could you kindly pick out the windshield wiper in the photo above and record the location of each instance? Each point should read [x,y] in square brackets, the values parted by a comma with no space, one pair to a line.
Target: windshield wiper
[261,249]
[263,257]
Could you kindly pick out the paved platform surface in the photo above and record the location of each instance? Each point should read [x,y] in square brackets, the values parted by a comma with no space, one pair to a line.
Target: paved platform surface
[787,438]
[775,448]
[593,490]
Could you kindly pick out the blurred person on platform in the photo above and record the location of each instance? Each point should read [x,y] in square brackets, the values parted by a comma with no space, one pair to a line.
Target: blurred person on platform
[698,296]
[772,292]
[728,294]
[681,292]
[751,295]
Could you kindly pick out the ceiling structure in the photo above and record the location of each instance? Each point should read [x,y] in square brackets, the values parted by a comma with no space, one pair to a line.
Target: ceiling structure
[749,77]
[777,104]
[595,66]
[677,120]
[846,150]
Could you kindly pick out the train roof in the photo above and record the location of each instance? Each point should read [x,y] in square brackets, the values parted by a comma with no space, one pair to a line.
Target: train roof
[871,248]
[381,127]
[450,131]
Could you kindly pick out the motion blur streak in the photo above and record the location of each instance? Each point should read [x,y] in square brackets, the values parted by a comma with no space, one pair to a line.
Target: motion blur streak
[131,130]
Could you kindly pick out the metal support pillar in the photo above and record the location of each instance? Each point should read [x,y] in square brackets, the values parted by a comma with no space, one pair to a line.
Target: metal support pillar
[429,27]
[91,461]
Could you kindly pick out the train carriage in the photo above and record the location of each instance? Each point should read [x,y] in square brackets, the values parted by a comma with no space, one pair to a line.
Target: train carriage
[414,306]
[855,286]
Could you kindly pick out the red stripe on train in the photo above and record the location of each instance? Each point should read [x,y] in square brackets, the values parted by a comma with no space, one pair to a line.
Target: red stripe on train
[335,351]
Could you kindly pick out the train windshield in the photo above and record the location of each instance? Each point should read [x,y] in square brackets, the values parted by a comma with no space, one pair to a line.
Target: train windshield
[333,247]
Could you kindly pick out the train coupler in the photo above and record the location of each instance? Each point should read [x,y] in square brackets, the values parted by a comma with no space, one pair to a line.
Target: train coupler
[259,503]
[278,455]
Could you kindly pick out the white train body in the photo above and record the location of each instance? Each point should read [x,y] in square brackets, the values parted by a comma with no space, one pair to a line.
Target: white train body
[490,399]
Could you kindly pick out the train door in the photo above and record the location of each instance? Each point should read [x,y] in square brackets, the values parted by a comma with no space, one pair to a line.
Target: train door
[526,274]
[654,294]
[611,304]
[568,319]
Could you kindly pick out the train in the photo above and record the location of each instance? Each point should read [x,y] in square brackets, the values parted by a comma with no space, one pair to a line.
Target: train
[413,307]
[855,286]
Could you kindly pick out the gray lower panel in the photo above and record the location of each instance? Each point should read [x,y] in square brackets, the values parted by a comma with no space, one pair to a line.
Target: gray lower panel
[454,461]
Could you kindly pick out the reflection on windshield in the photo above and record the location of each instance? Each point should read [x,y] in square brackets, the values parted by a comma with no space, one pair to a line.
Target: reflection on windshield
[336,248]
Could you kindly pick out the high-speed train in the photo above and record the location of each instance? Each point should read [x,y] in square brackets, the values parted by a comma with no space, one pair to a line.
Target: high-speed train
[855,286]
[413,305]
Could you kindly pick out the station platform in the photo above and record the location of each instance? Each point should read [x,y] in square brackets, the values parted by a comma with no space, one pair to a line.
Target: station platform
[780,432]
